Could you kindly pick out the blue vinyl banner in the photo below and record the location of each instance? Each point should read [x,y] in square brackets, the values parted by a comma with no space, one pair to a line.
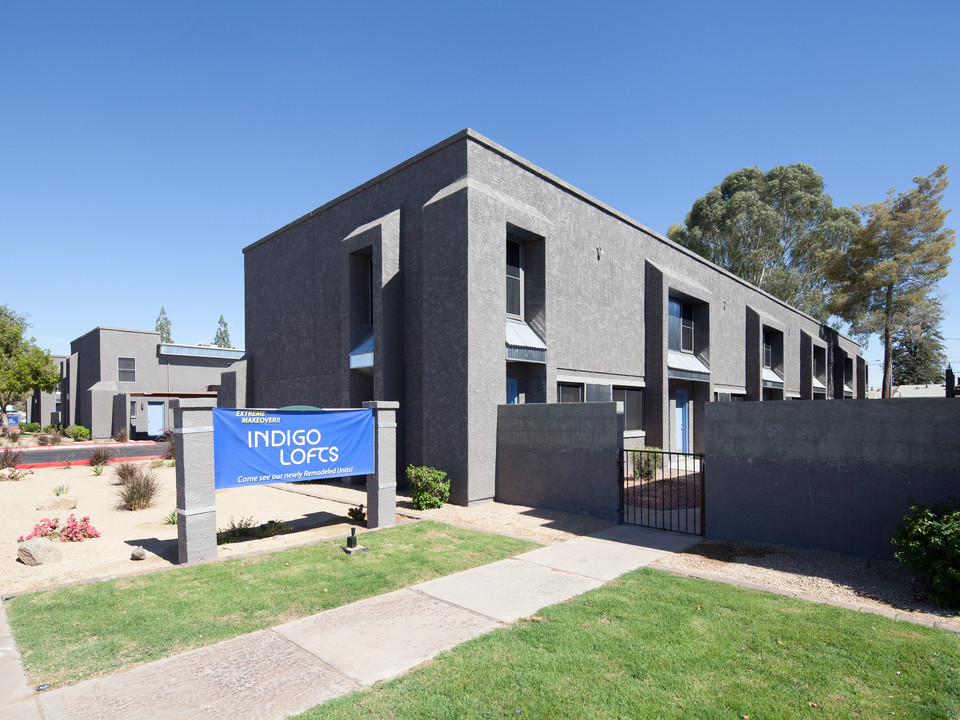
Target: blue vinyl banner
[258,447]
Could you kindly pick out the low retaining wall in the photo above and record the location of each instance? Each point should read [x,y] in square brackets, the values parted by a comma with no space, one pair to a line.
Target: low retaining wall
[560,456]
[834,475]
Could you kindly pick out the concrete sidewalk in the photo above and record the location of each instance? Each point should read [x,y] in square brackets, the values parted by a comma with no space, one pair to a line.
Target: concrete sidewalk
[290,668]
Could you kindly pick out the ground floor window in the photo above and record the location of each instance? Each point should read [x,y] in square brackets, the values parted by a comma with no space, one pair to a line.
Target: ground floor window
[569,392]
[632,399]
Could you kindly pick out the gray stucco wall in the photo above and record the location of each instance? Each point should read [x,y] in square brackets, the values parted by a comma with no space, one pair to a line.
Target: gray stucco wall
[837,476]
[561,456]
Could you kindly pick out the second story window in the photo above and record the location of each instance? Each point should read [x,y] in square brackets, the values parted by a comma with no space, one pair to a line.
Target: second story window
[767,349]
[514,278]
[680,327]
[126,369]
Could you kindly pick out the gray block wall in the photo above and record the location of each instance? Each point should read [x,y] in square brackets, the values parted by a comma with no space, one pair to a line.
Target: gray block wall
[837,476]
[561,456]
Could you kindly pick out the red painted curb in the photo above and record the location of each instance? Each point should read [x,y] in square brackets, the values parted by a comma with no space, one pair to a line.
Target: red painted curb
[64,463]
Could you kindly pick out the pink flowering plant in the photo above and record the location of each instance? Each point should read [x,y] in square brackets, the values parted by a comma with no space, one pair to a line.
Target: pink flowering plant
[72,530]
[14,474]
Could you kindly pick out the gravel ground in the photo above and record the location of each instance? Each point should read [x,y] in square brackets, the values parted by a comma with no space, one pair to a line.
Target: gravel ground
[886,587]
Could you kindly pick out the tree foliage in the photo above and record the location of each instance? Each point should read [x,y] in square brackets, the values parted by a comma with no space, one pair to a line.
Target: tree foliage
[892,266]
[222,338]
[23,365]
[773,229]
[163,326]
[919,356]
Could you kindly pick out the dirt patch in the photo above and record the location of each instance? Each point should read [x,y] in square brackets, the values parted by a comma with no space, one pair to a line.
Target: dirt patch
[881,586]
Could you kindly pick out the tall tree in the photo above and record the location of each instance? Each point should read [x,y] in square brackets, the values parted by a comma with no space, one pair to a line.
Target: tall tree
[918,352]
[222,338]
[892,266]
[23,365]
[163,326]
[772,229]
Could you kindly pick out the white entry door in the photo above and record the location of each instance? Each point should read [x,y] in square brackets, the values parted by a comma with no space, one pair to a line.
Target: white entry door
[155,418]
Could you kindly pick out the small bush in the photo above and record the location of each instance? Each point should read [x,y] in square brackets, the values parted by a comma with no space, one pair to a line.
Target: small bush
[60,490]
[121,435]
[429,487]
[72,530]
[647,461]
[357,514]
[170,518]
[100,456]
[13,434]
[31,428]
[246,529]
[124,471]
[14,474]
[928,541]
[10,457]
[139,491]
[170,438]
[50,437]
[79,433]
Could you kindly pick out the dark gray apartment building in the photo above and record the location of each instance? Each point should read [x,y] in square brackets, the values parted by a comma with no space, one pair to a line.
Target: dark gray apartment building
[467,277]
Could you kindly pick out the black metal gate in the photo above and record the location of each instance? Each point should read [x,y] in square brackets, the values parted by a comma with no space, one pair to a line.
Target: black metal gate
[661,489]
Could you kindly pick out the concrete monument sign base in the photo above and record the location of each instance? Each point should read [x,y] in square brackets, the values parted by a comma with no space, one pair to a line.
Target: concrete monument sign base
[196,498]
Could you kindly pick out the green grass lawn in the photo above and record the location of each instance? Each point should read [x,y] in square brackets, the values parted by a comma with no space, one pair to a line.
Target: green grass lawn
[653,645]
[75,633]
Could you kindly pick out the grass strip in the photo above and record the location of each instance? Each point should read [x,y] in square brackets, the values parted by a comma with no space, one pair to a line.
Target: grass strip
[80,632]
[653,645]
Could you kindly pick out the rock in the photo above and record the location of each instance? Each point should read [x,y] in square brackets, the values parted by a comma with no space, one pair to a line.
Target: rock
[38,551]
[138,554]
[62,502]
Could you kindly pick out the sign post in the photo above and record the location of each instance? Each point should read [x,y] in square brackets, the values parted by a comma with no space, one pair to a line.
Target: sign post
[196,503]
[382,485]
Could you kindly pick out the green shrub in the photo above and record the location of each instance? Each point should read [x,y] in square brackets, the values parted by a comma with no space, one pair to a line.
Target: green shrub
[31,427]
[79,433]
[647,461]
[928,541]
[170,518]
[139,490]
[60,490]
[429,487]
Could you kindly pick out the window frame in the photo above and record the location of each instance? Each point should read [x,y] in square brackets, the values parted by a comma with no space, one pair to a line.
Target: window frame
[561,386]
[122,370]
[681,329]
[629,412]
[767,349]
[517,279]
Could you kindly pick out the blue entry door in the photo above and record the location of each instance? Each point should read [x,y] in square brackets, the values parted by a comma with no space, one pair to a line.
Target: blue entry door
[155,418]
[513,394]
[684,421]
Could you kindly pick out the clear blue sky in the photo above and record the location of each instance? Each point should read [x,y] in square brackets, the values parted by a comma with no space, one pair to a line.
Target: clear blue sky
[145,144]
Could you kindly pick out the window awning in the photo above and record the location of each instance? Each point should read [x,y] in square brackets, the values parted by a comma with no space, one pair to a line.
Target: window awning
[847,390]
[685,366]
[362,355]
[770,379]
[523,343]
[819,386]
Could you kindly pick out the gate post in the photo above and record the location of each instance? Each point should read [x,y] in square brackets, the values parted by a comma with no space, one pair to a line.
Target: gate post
[382,485]
[196,500]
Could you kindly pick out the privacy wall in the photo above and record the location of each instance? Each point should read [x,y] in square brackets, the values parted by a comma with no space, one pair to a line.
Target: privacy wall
[832,475]
[561,456]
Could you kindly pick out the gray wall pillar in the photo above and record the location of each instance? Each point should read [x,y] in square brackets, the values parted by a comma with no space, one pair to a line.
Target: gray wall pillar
[382,485]
[196,503]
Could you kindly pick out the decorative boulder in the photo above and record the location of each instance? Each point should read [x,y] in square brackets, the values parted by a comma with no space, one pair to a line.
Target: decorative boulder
[63,502]
[138,554]
[38,551]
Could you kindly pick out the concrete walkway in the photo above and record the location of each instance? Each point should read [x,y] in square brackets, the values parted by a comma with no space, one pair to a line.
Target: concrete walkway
[290,668]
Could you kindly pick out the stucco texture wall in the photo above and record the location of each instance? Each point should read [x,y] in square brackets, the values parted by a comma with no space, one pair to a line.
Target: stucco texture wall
[561,456]
[833,475]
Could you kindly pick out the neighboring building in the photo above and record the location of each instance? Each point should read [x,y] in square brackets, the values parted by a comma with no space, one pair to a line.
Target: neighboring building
[44,407]
[467,277]
[117,379]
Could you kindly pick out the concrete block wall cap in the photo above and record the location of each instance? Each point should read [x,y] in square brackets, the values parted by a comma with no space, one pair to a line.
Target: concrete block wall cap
[382,404]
